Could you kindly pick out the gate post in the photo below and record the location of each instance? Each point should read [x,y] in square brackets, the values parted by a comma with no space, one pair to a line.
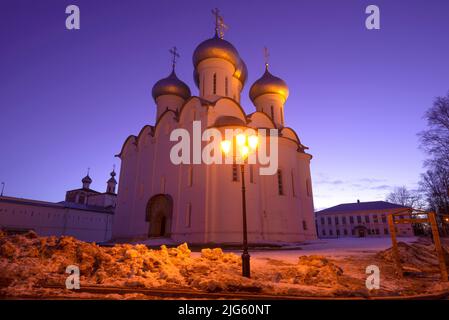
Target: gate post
[438,248]
[397,261]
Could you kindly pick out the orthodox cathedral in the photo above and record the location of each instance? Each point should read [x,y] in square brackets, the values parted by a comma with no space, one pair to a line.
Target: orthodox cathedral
[202,203]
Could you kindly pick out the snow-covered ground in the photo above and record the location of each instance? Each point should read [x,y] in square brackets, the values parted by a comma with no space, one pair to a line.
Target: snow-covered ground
[331,267]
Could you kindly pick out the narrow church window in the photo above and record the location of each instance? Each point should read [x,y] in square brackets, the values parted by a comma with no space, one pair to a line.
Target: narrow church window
[215,83]
[235,175]
[282,115]
[293,183]
[162,184]
[226,86]
[272,113]
[190,178]
[280,186]
[251,173]
[189,215]
[202,84]
[304,224]
[309,191]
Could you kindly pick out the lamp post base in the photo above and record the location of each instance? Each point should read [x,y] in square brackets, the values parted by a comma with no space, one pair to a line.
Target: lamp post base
[246,272]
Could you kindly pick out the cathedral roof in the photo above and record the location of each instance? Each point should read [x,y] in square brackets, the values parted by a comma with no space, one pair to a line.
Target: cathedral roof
[171,86]
[268,83]
[219,48]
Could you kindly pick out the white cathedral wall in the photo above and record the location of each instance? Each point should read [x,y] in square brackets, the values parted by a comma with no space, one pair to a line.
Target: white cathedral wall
[214,200]
[125,196]
[264,104]
[222,69]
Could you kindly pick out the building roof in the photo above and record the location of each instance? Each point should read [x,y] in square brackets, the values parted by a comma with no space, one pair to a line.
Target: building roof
[62,204]
[362,206]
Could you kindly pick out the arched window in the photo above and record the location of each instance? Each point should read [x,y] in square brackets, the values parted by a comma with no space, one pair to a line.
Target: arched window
[293,183]
[308,188]
[226,86]
[162,184]
[202,85]
[189,215]
[215,84]
[251,173]
[282,115]
[280,185]
[190,177]
[235,173]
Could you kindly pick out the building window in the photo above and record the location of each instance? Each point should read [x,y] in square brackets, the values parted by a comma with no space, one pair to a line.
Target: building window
[215,84]
[203,85]
[304,224]
[329,220]
[343,220]
[377,231]
[280,185]
[251,173]
[375,218]
[324,232]
[359,219]
[338,233]
[345,232]
[353,232]
[331,233]
[226,86]
[384,218]
[308,188]
[189,215]
[367,219]
[162,184]
[322,220]
[351,220]
[336,220]
[282,115]
[293,183]
[190,177]
[81,198]
[385,230]
[235,173]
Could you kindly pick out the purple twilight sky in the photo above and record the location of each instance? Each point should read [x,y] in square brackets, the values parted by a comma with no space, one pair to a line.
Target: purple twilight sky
[69,99]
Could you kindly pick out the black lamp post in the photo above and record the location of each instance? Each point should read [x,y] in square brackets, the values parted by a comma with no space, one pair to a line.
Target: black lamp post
[246,145]
[246,270]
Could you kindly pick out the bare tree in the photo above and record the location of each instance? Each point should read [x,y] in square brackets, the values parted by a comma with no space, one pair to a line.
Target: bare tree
[407,198]
[435,141]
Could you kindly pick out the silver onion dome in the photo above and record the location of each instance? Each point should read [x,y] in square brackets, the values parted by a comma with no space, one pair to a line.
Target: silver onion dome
[171,86]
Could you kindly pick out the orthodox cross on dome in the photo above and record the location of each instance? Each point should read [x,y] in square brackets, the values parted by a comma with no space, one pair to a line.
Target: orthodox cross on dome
[88,171]
[174,52]
[266,55]
[220,26]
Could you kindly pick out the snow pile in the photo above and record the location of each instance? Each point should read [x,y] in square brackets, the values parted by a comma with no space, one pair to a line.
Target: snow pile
[28,261]
[419,256]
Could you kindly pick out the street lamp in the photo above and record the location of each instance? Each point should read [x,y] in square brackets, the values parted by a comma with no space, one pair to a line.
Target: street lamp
[245,145]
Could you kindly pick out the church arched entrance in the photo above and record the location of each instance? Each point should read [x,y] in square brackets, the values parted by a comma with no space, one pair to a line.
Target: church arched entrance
[159,215]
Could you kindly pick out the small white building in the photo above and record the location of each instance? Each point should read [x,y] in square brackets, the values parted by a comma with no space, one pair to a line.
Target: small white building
[85,214]
[360,219]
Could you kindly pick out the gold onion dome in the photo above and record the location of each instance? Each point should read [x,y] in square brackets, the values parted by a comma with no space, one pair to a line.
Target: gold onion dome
[217,47]
[171,86]
[268,84]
